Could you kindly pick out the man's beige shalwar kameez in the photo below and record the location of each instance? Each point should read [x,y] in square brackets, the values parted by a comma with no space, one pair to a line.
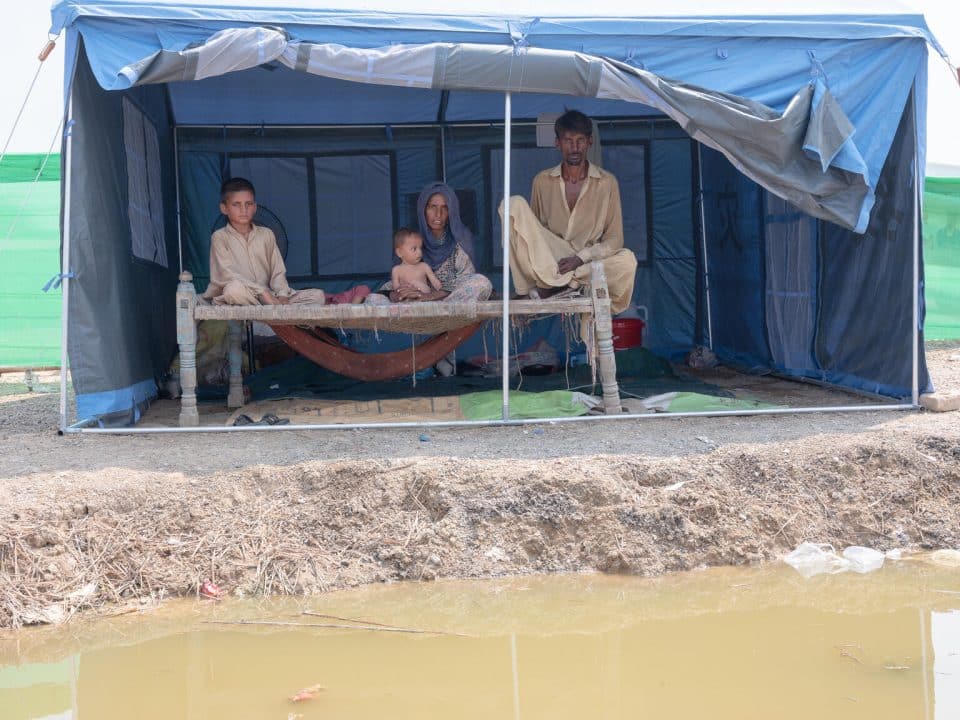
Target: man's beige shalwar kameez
[547,230]
[242,267]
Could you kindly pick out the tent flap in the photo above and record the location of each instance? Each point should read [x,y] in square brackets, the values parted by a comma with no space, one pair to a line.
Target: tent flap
[226,51]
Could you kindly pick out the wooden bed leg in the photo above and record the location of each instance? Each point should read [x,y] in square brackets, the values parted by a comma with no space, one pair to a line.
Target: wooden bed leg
[603,336]
[187,340]
[235,356]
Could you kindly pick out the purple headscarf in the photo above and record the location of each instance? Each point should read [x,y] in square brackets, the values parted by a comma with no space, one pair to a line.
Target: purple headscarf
[435,253]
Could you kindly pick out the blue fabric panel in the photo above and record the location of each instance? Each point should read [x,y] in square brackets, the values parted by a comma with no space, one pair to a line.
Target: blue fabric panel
[791,292]
[112,343]
[276,95]
[668,288]
[126,402]
[866,312]
[735,262]
[201,174]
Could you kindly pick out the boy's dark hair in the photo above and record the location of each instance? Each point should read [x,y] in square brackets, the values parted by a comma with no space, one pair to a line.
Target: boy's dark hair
[573,121]
[402,234]
[236,184]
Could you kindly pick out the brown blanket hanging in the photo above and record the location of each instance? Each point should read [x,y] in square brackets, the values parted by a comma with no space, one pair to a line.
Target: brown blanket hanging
[328,352]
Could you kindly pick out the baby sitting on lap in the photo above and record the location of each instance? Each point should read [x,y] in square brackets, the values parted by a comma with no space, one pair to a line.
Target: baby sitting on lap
[408,245]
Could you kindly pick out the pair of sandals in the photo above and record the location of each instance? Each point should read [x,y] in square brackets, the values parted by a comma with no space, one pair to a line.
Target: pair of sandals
[268,419]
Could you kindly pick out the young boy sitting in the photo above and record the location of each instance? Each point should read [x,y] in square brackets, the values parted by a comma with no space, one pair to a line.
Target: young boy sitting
[246,267]
[408,245]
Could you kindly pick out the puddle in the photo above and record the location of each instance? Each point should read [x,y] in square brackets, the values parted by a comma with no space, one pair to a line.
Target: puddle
[722,643]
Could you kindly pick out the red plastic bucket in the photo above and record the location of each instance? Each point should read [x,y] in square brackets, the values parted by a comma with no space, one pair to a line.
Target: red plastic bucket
[627,333]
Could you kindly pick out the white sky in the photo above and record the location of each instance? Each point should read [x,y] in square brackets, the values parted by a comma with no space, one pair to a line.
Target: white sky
[37,128]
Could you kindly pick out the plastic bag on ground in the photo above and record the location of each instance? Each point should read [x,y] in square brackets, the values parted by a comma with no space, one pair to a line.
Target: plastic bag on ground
[811,559]
[863,559]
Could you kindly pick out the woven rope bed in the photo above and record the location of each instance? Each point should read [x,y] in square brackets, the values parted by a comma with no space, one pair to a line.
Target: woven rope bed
[447,324]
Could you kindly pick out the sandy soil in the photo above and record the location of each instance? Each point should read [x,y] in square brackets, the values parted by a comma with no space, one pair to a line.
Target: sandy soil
[102,523]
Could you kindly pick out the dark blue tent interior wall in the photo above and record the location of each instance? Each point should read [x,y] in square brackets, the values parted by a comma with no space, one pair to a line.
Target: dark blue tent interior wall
[735,261]
[112,341]
[865,323]
[667,283]
[808,298]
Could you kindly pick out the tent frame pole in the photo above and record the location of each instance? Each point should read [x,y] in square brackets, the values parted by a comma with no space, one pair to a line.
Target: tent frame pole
[176,182]
[505,240]
[703,245]
[80,426]
[917,199]
[65,259]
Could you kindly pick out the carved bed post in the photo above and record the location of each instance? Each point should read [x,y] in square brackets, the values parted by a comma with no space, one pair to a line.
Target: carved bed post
[235,356]
[603,336]
[187,340]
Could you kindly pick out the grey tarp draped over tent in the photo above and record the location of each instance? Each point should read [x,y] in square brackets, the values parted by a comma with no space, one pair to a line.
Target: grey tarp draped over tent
[766,145]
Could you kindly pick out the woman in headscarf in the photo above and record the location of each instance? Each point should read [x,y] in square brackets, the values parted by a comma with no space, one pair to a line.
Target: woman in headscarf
[446,246]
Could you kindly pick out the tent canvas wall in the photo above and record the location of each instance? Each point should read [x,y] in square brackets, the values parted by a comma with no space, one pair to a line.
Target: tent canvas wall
[768,161]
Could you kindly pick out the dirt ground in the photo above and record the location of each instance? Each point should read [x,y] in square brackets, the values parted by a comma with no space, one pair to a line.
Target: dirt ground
[106,523]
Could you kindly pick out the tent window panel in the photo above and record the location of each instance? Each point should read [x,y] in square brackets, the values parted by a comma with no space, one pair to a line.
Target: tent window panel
[525,163]
[628,163]
[355,212]
[145,201]
[791,271]
[283,201]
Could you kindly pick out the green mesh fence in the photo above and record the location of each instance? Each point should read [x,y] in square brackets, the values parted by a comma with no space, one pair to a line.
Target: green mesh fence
[29,256]
[941,258]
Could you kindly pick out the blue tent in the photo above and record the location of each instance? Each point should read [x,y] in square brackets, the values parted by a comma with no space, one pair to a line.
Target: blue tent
[768,162]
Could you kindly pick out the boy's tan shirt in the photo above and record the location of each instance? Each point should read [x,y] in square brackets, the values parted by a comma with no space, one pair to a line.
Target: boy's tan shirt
[254,260]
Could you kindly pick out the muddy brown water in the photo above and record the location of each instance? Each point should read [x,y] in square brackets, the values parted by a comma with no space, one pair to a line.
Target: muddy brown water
[720,643]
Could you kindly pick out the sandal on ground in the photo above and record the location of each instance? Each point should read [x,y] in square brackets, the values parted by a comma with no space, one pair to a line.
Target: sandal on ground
[271,419]
[243,420]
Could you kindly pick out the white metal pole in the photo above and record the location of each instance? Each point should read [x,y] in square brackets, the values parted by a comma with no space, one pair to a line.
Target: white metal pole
[65,259]
[703,240]
[176,180]
[83,427]
[505,238]
[917,199]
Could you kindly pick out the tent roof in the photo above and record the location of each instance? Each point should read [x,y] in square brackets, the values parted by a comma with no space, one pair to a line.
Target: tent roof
[743,18]
[867,55]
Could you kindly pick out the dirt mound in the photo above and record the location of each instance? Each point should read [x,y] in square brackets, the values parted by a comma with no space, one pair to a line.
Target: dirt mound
[104,523]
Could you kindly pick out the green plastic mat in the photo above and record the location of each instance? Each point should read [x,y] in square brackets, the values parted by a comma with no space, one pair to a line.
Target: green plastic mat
[29,257]
[523,405]
[941,258]
[684,402]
